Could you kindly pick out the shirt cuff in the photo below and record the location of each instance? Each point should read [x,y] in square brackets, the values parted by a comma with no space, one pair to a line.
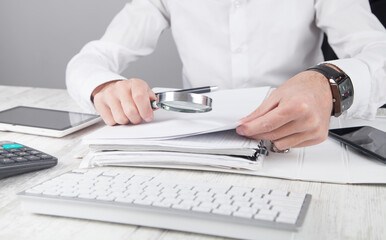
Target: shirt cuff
[95,81]
[359,75]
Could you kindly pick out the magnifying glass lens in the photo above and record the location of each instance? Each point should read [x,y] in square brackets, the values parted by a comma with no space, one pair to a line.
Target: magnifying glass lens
[183,102]
[181,106]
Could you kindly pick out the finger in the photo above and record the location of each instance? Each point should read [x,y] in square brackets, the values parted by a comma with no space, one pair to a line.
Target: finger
[140,95]
[306,123]
[269,122]
[130,109]
[292,140]
[302,139]
[290,128]
[117,110]
[308,143]
[270,103]
[105,113]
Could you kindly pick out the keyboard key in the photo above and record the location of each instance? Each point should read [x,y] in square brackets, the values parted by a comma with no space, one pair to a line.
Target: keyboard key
[243,214]
[286,220]
[201,209]
[268,217]
[182,206]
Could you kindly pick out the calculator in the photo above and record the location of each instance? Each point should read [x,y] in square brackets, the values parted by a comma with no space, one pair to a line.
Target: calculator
[16,159]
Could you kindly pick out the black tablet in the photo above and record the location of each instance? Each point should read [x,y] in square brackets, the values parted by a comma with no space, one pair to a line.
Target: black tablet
[46,122]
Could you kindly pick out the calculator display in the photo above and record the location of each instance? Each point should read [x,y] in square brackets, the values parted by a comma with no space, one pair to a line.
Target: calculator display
[44,118]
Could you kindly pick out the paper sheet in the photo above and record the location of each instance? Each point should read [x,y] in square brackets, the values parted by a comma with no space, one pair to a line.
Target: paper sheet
[228,107]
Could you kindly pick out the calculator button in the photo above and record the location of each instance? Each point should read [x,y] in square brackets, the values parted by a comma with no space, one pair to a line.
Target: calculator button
[8,155]
[25,149]
[34,152]
[32,158]
[12,150]
[21,153]
[3,151]
[44,156]
[19,159]
[6,160]
[14,145]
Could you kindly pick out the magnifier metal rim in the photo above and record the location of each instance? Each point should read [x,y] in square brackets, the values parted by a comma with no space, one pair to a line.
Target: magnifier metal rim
[198,99]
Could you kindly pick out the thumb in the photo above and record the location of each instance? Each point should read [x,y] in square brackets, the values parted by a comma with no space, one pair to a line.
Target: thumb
[151,94]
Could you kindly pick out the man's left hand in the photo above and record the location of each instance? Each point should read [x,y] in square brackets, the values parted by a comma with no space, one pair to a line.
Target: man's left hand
[297,114]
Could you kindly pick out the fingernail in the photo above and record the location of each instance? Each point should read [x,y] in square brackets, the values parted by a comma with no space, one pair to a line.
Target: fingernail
[148,119]
[239,131]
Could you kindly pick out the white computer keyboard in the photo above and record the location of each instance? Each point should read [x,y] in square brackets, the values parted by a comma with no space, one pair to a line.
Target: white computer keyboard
[118,196]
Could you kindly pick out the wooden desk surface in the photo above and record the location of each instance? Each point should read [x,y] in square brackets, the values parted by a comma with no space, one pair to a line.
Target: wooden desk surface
[336,211]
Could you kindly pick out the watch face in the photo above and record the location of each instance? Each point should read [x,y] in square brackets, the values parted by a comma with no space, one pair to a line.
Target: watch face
[346,91]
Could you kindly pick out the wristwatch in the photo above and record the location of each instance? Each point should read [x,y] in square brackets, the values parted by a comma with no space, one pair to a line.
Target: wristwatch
[341,88]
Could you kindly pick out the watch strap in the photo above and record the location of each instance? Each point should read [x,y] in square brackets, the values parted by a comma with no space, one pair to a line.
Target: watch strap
[333,76]
[327,71]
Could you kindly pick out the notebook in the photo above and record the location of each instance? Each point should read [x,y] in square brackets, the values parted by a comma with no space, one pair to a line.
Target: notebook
[222,150]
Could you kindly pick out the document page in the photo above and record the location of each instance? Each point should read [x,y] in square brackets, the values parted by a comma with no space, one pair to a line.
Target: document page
[225,143]
[228,107]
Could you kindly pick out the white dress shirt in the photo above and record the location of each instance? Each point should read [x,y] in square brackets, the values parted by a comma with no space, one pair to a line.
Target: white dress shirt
[241,43]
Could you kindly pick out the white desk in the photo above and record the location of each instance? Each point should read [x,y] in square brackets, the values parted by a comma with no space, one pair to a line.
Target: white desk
[336,211]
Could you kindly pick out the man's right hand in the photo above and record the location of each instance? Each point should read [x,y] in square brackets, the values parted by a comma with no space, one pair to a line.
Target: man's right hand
[124,101]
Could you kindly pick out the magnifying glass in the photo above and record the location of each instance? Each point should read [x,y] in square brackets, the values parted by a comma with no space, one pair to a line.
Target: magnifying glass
[185,102]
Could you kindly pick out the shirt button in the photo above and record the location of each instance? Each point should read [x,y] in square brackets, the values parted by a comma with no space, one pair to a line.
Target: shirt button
[237,4]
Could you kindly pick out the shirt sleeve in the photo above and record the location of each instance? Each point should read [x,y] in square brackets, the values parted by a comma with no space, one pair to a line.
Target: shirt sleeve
[134,32]
[359,40]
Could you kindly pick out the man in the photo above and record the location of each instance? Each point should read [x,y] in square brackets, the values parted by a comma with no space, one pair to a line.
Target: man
[239,44]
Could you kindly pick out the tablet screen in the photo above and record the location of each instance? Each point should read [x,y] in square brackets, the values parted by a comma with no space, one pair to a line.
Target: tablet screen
[44,118]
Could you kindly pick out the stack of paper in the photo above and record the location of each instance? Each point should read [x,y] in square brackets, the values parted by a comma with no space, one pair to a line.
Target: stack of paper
[184,140]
